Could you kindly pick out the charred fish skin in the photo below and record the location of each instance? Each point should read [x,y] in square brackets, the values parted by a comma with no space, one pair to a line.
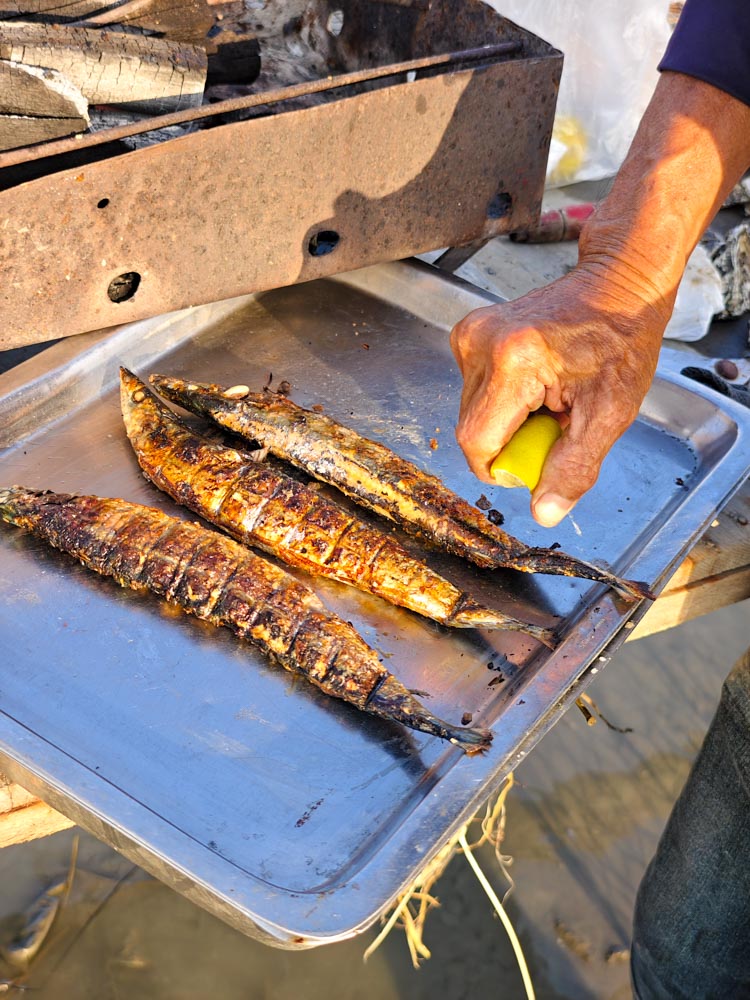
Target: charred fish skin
[220,581]
[364,470]
[260,506]
[372,475]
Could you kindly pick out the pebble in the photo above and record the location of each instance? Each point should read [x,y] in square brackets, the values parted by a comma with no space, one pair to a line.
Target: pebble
[727,369]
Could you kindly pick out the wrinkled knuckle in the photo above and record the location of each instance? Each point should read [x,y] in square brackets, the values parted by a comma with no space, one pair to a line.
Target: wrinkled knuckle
[506,354]
[523,350]
[465,333]
[458,337]
[581,475]
[515,342]
[475,318]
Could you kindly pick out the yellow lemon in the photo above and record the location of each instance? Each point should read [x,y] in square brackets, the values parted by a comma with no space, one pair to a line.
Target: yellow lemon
[521,460]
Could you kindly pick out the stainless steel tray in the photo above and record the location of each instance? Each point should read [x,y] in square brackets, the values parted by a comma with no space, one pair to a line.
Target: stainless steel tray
[292,816]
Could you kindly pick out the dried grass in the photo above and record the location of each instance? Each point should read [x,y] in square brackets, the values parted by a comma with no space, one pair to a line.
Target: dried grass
[412,907]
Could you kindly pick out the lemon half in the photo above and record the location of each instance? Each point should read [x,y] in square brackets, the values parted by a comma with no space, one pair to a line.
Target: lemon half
[521,461]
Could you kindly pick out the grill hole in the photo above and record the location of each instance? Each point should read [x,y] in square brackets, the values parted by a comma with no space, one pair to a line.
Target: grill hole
[124,286]
[323,242]
[500,205]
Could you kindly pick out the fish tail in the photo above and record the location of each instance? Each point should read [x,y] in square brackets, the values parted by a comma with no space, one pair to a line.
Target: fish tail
[469,614]
[8,508]
[18,505]
[543,560]
[391,700]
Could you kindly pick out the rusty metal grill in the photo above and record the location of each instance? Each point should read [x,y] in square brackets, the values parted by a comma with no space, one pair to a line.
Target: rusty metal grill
[431,130]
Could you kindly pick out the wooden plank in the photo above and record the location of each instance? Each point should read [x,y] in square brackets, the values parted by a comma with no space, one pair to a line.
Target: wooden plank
[17,131]
[37,93]
[674,607]
[58,10]
[30,823]
[38,104]
[12,796]
[186,21]
[724,546]
[715,573]
[24,817]
[181,20]
[137,71]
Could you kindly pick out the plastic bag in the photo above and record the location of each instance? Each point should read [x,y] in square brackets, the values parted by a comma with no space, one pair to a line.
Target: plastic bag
[699,299]
[611,53]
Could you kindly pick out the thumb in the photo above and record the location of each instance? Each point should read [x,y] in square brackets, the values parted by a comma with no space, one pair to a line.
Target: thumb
[571,469]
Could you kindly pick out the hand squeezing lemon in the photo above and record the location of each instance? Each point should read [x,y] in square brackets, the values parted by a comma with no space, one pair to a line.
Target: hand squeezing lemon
[521,461]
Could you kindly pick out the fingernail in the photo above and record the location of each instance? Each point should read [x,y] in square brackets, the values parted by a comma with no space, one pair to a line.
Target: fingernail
[550,509]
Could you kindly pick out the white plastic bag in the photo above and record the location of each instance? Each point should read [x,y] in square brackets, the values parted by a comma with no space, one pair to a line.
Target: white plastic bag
[611,49]
[699,298]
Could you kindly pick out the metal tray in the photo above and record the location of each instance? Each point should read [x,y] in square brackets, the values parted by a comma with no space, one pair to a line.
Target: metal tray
[294,817]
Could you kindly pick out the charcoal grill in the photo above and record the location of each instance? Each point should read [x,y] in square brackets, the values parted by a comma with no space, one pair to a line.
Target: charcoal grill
[427,126]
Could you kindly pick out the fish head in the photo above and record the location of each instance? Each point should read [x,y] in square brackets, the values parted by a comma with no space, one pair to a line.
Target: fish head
[201,398]
[219,403]
[142,412]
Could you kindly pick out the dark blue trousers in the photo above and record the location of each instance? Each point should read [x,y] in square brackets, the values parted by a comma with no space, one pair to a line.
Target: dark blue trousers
[691,932]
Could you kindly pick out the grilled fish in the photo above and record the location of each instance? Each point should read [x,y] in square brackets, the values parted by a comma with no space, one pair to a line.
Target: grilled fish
[373,476]
[219,580]
[260,506]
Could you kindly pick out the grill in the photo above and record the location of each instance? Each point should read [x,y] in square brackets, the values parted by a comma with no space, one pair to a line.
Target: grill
[415,126]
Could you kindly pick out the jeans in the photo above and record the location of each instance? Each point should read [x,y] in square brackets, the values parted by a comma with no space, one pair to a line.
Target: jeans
[691,932]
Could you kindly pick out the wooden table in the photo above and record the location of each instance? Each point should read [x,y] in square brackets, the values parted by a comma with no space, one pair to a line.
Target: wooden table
[24,817]
[715,573]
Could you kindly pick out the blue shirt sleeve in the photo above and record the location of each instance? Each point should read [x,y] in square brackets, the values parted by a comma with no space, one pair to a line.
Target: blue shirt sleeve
[711,41]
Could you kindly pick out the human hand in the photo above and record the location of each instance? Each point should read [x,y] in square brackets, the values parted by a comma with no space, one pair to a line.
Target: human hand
[584,347]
